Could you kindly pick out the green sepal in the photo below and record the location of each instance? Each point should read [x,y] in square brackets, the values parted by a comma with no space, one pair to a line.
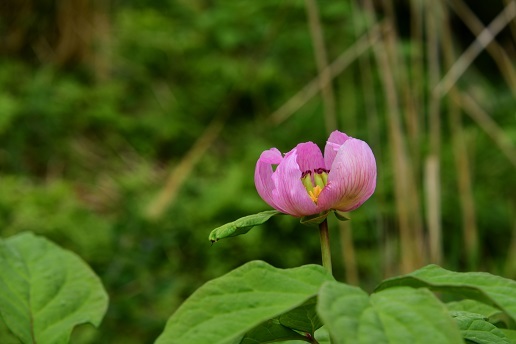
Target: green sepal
[241,226]
[314,220]
[340,216]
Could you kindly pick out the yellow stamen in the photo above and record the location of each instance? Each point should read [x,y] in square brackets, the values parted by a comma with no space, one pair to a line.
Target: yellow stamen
[314,193]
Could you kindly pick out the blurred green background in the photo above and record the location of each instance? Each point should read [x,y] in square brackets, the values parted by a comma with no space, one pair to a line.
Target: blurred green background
[129,130]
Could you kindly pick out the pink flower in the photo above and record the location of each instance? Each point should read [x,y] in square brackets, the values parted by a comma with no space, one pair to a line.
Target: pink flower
[306,183]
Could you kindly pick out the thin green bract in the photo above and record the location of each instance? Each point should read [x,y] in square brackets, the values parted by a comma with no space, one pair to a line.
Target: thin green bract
[46,290]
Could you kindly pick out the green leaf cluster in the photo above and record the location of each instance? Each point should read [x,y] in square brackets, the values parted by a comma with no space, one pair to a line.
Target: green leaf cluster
[258,303]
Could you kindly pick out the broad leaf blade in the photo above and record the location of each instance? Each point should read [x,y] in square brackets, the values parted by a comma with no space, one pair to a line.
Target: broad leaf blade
[394,316]
[346,312]
[476,329]
[509,334]
[241,226]
[269,332]
[6,335]
[303,318]
[46,290]
[413,316]
[484,287]
[492,314]
[225,309]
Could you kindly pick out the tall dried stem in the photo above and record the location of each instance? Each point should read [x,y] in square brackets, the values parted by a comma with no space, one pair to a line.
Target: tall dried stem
[432,163]
[486,123]
[417,79]
[407,94]
[328,97]
[467,203]
[497,52]
[178,175]
[335,68]
[321,59]
[411,254]
[510,266]
[370,103]
[481,42]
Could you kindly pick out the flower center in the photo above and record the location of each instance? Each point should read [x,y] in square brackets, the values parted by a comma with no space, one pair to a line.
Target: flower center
[314,182]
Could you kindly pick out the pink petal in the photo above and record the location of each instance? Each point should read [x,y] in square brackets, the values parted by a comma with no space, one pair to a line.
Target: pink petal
[352,177]
[290,193]
[335,141]
[263,174]
[309,156]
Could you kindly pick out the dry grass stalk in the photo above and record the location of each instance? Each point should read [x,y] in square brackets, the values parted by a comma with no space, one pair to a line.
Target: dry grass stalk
[179,173]
[497,52]
[481,42]
[370,102]
[348,252]
[432,163]
[469,225]
[335,69]
[411,254]
[416,84]
[321,60]
[484,121]
[328,97]
[510,266]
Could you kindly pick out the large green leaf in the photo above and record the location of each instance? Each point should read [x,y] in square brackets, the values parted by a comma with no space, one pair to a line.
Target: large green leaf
[46,290]
[303,318]
[397,315]
[492,314]
[225,309]
[484,287]
[342,308]
[241,226]
[476,329]
[269,332]
[510,334]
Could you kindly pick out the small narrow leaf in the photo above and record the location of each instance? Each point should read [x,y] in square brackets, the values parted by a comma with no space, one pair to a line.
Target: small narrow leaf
[46,290]
[476,329]
[393,316]
[242,225]
[225,309]
[493,290]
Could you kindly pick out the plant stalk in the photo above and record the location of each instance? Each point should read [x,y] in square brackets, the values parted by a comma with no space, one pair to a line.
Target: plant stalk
[325,245]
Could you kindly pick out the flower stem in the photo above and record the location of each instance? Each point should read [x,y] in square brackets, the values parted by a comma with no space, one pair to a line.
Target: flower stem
[325,245]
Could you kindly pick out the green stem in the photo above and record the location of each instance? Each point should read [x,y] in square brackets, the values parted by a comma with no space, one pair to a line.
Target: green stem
[325,245]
